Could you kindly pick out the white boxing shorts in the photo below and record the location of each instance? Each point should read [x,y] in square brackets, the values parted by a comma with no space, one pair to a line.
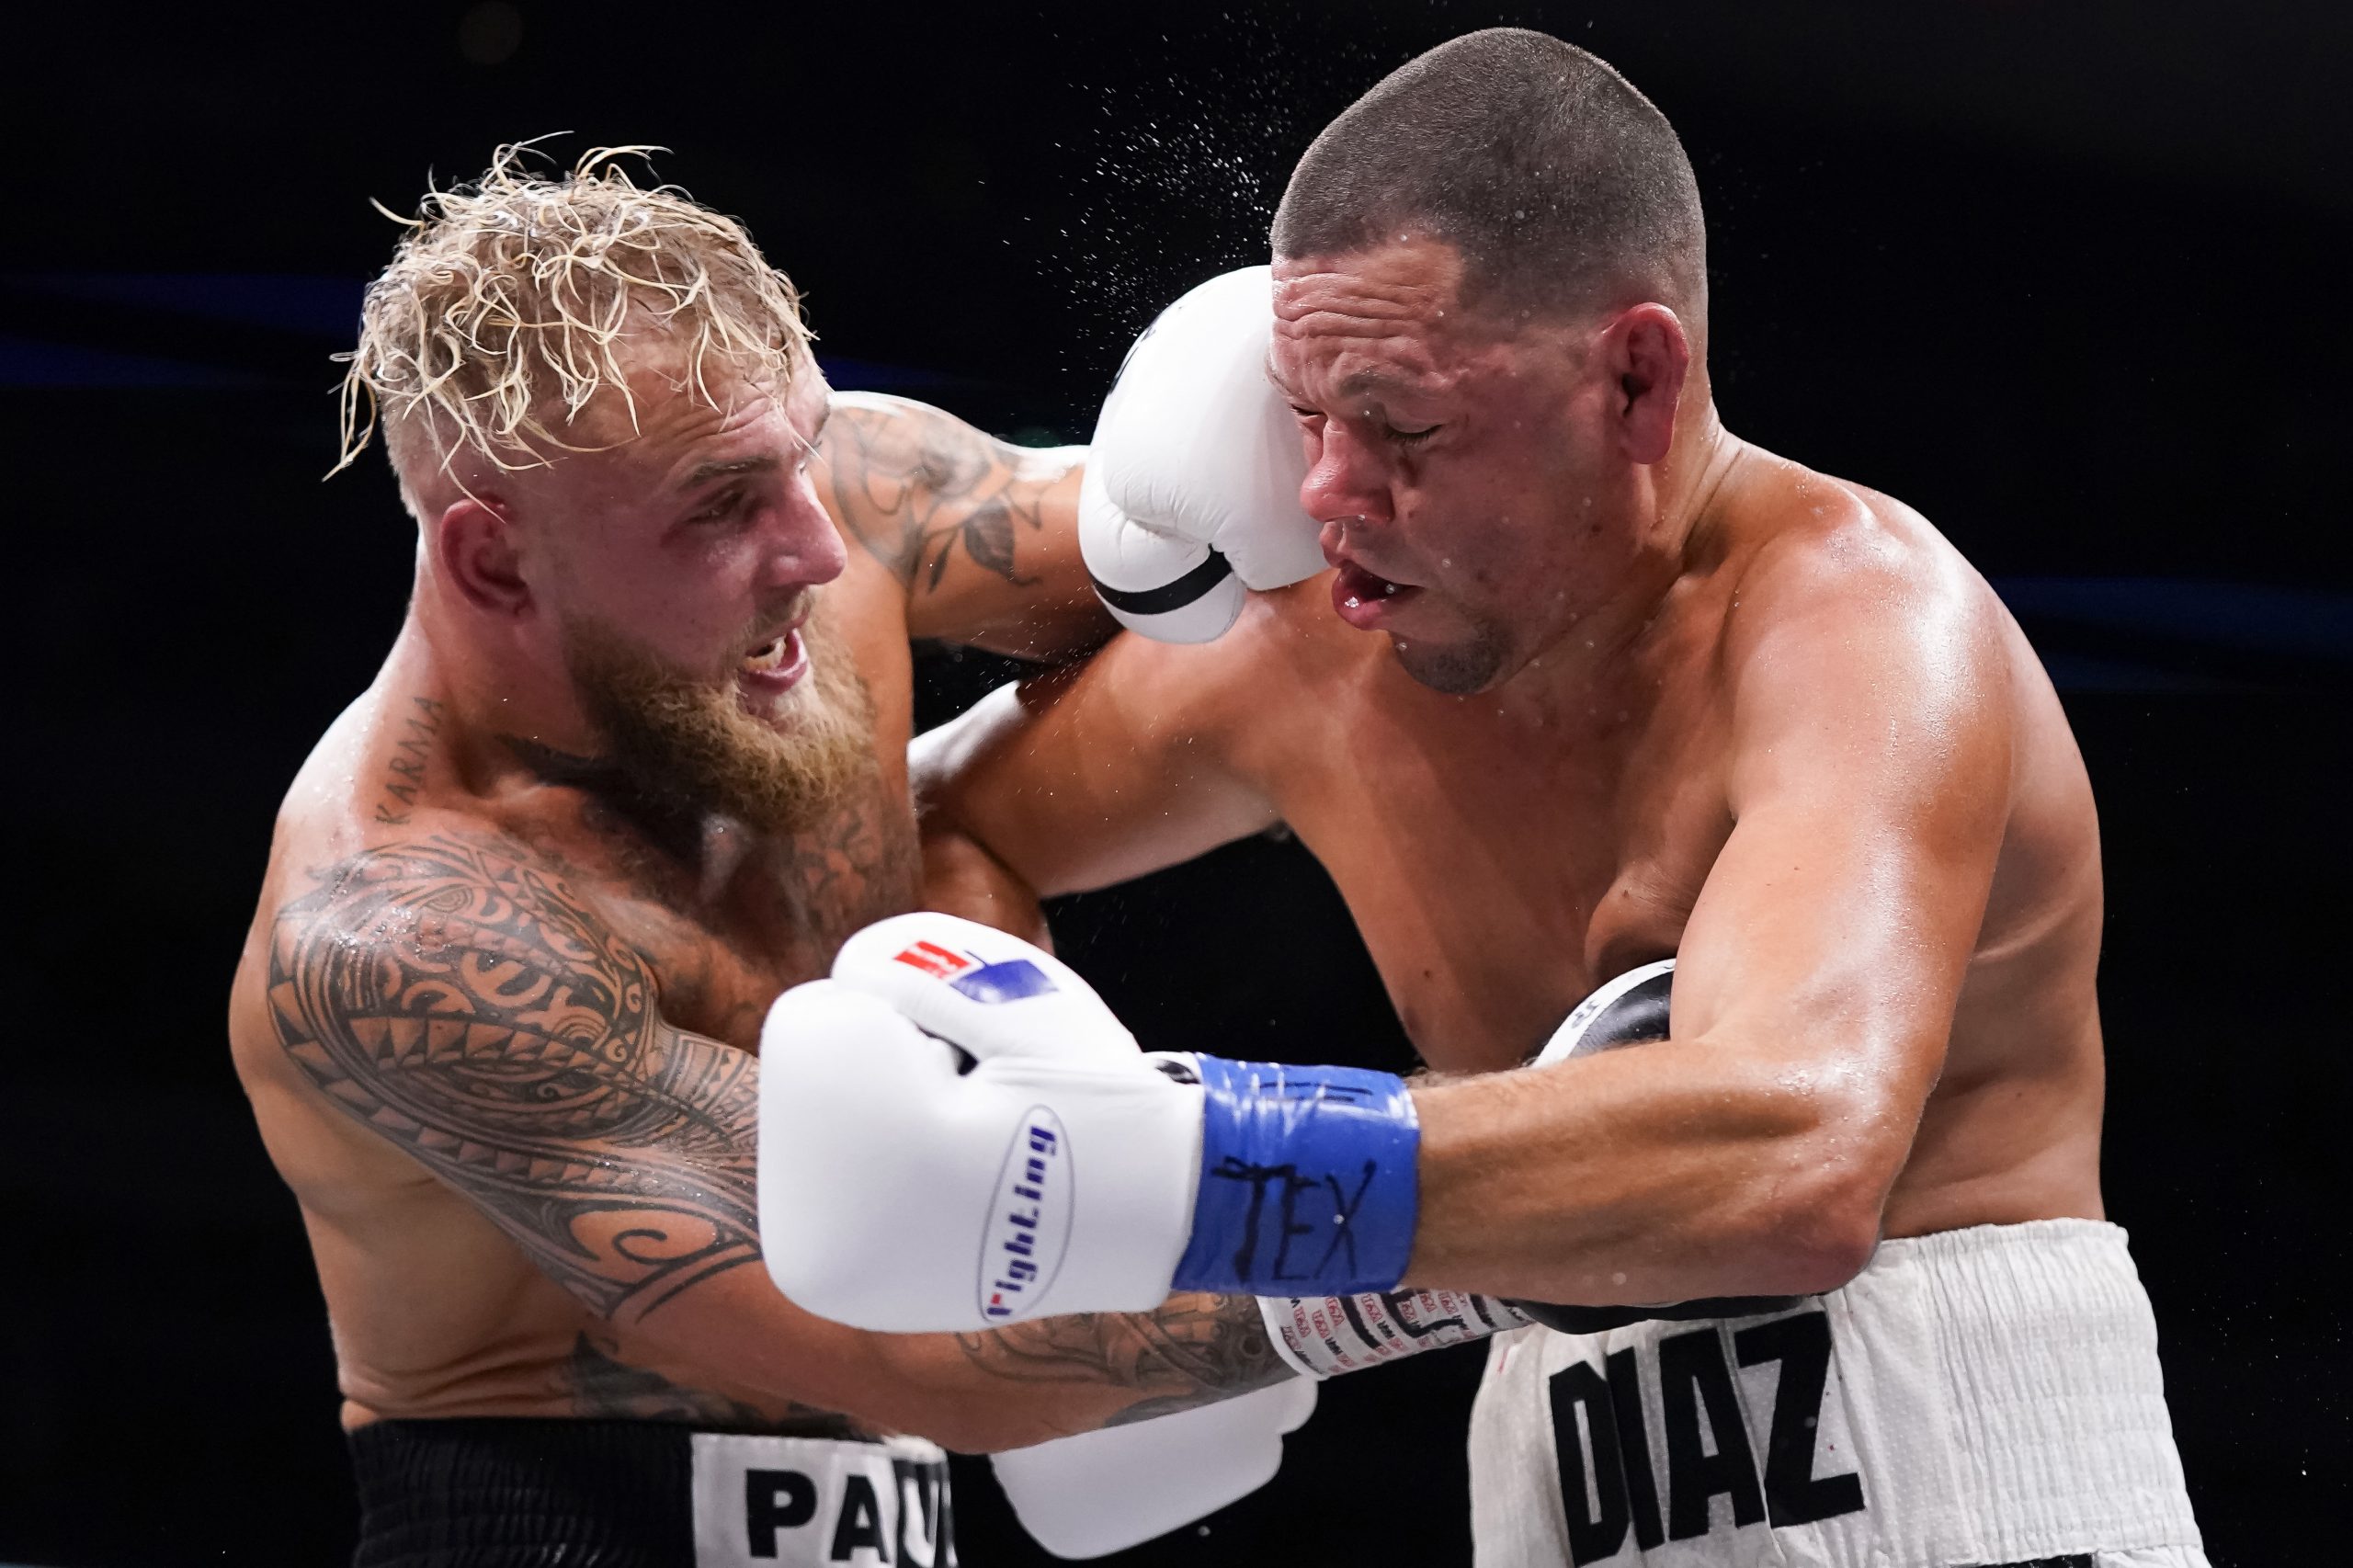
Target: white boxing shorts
[1984,1396]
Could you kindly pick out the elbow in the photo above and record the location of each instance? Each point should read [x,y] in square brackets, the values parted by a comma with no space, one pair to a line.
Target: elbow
[1815,1253]
[1823,1228]
[1823,1151]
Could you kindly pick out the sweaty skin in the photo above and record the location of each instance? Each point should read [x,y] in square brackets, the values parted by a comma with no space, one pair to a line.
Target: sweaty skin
[1640,689]
[496,1013]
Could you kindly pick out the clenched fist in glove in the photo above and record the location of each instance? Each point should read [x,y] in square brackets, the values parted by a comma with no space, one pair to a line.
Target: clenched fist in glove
[956,1133]
[1191,494]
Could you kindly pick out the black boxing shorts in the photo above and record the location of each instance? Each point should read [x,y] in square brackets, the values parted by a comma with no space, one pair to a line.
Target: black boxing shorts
[507,1493]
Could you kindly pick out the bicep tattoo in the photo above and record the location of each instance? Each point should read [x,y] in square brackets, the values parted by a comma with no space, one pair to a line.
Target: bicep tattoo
[918,487]
[456,997]
[1193,1350]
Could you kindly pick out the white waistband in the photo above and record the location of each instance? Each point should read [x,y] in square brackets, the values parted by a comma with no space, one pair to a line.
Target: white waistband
[1993,1392]
[773,1502]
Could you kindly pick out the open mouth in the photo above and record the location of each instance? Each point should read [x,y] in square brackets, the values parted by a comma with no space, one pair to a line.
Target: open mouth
[777,664]
[1363,597]
[768,655]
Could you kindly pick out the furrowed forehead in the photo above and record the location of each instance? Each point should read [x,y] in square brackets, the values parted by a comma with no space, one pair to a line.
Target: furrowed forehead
[1344,353]
[1340,305]
[1371,322]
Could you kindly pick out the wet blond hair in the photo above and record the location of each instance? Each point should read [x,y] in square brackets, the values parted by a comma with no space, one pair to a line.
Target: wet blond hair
[512,301]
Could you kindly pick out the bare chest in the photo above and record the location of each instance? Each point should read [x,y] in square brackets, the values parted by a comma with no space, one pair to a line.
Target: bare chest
[1498,874]
[723,948]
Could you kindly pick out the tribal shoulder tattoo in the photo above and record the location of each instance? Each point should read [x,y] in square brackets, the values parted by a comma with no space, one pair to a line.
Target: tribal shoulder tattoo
[453,994]
[456,996]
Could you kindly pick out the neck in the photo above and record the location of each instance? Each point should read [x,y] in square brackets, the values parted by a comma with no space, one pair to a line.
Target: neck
[496,684]
[1669,510]
[515,723]
[510,727]
[707,843]
[1681,493]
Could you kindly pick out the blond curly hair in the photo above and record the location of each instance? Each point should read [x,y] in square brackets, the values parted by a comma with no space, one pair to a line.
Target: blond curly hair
[508,306]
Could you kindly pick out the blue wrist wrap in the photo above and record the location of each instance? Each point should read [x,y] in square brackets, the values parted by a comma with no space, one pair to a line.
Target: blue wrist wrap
[1309,1184]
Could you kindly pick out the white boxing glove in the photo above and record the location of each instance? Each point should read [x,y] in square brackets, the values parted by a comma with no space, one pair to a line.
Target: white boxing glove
[1191,491]
[1103,1492]
[905,1187]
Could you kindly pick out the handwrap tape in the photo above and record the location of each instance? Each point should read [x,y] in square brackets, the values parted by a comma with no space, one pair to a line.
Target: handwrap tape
[1323,1335]
[1309,1183]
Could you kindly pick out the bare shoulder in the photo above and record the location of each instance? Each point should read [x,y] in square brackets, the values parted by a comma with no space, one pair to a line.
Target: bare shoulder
[449,993]
[1291,654]
[1866,668]
[368,931]
[378,774]
[1833,570]
[447,924]
[380,769]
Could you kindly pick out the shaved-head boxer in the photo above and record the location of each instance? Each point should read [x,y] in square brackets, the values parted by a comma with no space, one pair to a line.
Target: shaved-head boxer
[1589,684]
[635,763]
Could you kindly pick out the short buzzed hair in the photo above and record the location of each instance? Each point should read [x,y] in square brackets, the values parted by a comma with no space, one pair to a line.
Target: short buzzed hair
[1561,185]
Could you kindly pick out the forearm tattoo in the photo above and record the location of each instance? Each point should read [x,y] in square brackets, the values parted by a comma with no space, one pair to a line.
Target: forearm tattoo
[916,485]
[457,999]
[1195,1350]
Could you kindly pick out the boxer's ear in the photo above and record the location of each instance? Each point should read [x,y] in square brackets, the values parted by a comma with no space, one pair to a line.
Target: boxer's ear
[1647,351]
[473,548]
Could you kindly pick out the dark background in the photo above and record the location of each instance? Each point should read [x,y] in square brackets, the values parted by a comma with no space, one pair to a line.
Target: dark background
[2068,278]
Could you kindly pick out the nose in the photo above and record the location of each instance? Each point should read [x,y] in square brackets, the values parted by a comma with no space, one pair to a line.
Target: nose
[803,547]
[1346,481]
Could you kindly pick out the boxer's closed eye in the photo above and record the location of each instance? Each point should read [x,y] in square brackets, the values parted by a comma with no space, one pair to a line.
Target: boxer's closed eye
[720,509]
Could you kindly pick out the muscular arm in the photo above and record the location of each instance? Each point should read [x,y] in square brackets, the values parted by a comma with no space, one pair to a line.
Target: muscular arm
[452,996]
[1752,1153]
[983,535]
[1089,775]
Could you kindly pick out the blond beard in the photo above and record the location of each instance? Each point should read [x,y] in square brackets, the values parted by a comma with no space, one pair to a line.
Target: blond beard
[687,743]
